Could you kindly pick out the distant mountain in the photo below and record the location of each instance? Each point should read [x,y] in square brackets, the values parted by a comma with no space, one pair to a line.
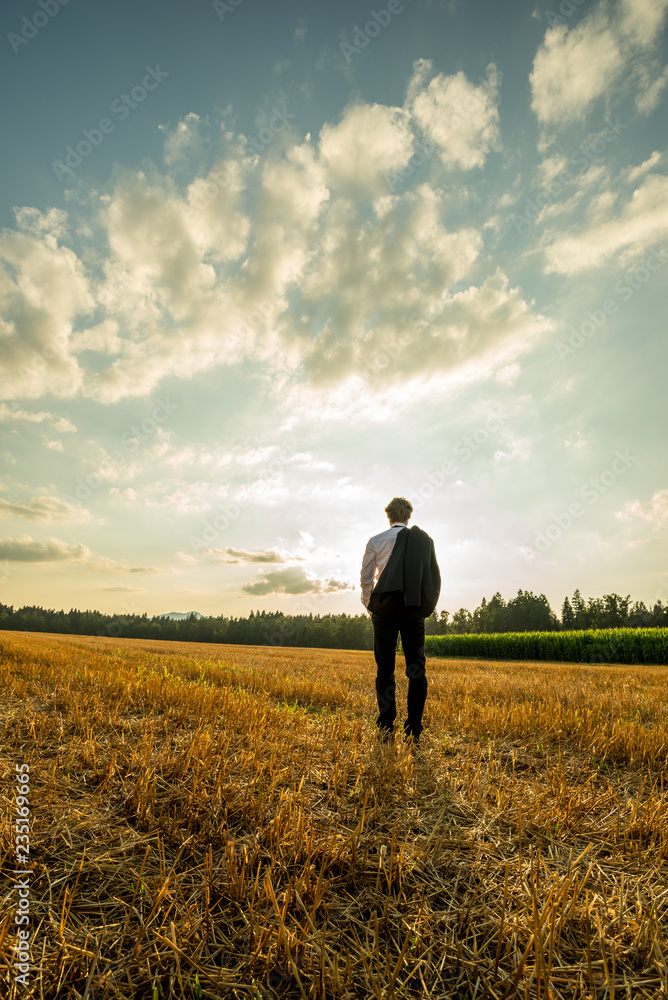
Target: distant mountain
[179,616]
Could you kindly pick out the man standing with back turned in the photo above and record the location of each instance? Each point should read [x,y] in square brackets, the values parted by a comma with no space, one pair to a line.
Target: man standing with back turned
[405,593]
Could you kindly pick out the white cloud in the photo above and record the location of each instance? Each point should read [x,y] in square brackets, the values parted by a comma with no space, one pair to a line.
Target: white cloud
[575,66]
[577,441]
[636,172]
[462,119]
[271,259]
[641,222]
[161,287]
[64,426]
[9,413]
[515,448]
[406,262]
[45,509]
[243,555]
[655,511]
[103,337]
[648,99]
[26,549]
[572,69]
[186,557]
[43,288]
[370,141]
[642,20]
[550,167]
[183,142]
[294,581]
[106,565]
[294,189]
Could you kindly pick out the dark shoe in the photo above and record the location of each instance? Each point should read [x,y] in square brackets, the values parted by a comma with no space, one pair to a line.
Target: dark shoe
[409,735]
[385,734]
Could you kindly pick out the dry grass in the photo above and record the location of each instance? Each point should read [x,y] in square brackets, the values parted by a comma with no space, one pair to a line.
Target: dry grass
[218,821]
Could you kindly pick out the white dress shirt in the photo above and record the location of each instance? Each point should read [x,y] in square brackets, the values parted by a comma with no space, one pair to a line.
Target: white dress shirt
[376,557]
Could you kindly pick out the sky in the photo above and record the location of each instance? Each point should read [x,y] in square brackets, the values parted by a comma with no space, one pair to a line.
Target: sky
[264,267]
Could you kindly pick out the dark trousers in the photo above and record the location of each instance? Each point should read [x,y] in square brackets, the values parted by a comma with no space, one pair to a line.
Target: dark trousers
[409,623]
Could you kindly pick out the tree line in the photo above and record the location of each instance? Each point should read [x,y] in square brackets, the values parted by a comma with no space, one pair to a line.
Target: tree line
[527,612]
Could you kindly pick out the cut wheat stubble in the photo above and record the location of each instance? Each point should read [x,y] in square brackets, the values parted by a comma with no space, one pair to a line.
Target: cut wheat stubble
[222,816]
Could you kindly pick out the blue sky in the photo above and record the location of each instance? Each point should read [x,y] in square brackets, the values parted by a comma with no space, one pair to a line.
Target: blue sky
[265,266]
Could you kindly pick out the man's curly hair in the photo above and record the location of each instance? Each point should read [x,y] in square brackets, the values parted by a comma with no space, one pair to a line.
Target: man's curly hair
[399,509]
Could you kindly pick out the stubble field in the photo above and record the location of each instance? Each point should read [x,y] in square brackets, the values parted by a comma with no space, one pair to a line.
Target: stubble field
[219,821]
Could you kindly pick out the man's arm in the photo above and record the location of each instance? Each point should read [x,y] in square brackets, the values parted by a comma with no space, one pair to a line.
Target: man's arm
[436,573]
[434,566]
[368,574]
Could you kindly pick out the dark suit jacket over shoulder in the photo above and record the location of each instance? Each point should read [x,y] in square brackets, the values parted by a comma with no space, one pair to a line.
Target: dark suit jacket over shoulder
[413,570]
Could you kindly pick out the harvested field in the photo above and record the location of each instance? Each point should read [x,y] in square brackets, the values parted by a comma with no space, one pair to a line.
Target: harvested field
[219,821]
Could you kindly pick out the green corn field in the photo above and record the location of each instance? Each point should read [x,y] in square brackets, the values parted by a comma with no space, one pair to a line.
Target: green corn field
[610,645]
